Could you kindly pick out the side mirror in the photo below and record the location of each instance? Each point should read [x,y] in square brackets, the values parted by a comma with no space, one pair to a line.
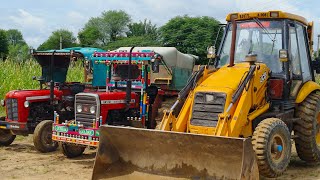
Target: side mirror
[316,65]
[211,52]
[283,55]
[155,66]
[155,62]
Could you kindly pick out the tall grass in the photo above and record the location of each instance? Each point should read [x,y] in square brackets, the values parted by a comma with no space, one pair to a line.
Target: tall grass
[15,76]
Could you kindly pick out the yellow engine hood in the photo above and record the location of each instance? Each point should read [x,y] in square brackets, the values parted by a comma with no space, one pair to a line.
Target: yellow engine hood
[226,79]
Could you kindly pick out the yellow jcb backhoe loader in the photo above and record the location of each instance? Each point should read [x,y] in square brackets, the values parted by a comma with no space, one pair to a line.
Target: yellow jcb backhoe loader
[234,121]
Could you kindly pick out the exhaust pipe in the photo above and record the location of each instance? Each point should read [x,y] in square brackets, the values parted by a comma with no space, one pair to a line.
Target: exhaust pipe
[128,88]
[51,80]
[233,42]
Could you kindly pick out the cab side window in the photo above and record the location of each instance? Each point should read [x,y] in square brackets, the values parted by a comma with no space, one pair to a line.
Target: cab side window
[294,55]
[304,58]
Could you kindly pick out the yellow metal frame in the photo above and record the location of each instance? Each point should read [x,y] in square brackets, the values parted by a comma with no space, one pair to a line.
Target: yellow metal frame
[306,89]
[266,15]
[238,120]
[310,28]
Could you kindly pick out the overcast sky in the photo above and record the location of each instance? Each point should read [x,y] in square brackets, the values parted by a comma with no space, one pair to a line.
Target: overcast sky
[36,19]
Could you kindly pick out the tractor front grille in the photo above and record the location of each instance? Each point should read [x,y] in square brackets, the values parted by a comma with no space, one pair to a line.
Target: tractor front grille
[206,108]
[86,101]
[12,109]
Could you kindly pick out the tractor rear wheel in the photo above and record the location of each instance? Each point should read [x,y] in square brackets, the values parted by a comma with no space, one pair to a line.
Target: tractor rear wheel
[42,137]
[307,129]
[72,151]
[271,142]
[6,137]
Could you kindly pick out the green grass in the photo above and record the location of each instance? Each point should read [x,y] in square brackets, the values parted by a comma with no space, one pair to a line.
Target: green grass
[15,76]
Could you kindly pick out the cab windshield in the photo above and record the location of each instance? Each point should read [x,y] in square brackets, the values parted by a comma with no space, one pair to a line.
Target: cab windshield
[263,38]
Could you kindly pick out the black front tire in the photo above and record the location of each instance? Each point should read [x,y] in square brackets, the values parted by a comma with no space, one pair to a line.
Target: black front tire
[72,151]
[6,137]
[42,137]
[271,142]
[307,129]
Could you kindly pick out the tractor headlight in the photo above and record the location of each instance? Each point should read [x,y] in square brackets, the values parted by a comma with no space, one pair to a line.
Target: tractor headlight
[92,109]
[26,104]
[79,108]
[2,102]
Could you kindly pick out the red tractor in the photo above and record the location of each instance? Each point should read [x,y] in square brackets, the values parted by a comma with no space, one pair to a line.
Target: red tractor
[31,111]
[128,100]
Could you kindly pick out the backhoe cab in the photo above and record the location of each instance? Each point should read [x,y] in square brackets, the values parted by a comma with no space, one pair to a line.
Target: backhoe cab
[234,121]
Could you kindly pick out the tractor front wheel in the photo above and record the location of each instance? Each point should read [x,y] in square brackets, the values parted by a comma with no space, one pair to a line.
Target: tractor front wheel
[72,151]
[6,137]
[42,137]
[271,142]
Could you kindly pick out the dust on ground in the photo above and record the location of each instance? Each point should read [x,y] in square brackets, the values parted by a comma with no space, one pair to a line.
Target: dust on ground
[23,162]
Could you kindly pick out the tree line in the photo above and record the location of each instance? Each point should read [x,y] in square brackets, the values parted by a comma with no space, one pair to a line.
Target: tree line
[115,28]
[13,46]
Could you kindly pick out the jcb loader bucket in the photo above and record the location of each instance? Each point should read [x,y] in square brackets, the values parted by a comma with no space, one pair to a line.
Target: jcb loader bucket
[123,151]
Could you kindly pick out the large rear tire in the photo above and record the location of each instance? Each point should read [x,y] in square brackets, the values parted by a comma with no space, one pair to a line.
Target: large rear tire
[272,144]
[42,137]
[307,129]
[6,137]
[72,151]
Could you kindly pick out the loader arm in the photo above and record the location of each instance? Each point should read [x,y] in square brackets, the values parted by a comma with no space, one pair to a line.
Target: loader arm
[172,122]
[236,118]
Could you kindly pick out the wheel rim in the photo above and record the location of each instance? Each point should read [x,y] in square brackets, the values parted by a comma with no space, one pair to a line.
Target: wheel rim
[277,148]
[318,130]
[47,136]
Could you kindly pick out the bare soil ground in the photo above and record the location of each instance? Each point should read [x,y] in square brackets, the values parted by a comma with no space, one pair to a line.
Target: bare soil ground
[22,161]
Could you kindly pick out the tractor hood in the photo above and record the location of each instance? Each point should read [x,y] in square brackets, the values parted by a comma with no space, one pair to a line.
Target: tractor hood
[226,79]
[110,96]
[33,95]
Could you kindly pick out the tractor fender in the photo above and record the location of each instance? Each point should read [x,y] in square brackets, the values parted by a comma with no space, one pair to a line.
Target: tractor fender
[306,89]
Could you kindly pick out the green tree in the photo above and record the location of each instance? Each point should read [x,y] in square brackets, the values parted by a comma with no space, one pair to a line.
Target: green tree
[111,25]
[19,52]
[3,44]
[145,28]
[18,49]
[133,41]
[89,36]
[53,42]
[15,37]
[190,34]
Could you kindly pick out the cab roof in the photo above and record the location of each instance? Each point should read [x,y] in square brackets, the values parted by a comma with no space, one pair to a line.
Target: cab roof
[86,52]
[239,16]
